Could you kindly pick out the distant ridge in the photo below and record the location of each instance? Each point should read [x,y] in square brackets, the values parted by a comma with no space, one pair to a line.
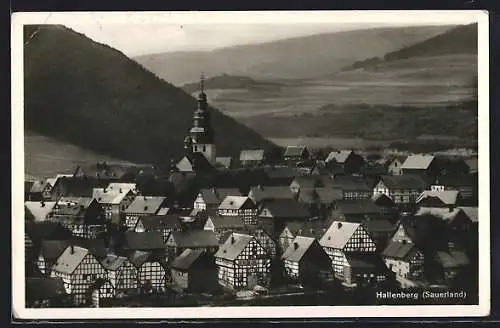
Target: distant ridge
[91,95]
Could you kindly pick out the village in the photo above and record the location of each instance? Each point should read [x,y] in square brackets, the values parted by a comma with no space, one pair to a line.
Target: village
[220,230]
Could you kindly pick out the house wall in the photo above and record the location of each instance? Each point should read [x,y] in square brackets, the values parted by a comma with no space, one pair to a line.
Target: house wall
[203,280]
[152,272]
[360,242]
[395,168]
[285,239]
[180,278]
[124,278]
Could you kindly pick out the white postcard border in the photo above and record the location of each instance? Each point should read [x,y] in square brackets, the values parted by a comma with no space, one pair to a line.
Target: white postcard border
[17,133]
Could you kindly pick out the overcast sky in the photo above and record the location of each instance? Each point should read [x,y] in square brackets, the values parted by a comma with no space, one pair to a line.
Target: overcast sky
[144,33]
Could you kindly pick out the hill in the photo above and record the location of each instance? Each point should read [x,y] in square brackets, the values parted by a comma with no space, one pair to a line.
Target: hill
[458,40]
[90,95]
[296,58]
[46,157]
[226,81]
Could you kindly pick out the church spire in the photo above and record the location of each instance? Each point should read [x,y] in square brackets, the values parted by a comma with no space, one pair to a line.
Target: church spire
[202,83]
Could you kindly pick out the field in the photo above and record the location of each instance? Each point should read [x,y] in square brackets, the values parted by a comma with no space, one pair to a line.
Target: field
[45,157]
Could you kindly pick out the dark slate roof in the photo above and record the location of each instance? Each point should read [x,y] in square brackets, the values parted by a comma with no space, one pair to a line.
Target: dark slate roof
[38,231]
[372,262]
[328,195]
[144,240]
[191,257]
[285,208]
[80,186]
[272,192]
[399,250]
[378,225]
[155,222]
[405,181]
[357,206]
[195,238]
[145,205]
[41,288]
[194,162]
[383,200]
[451,180]
[96,247]
[52,249]
[350,183]
[275,172]
[227,221]
[452,259]
[138,258]
[113,262]
[231,250]
[311,228]
[293,151]
[215,196]
[309,181]
[298,248]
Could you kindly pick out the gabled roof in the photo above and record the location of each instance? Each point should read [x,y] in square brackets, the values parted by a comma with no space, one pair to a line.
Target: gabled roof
[234,202]
[189,257]
[338,234]
[145,205]
[366,261]
[252,155]
[440,212]
[272,192]
[84,201]
[292,151]
[113,262]
[96,246]
[38,186]
[154,222]
[452,259]
[418,162]
[311,228]
[297,248]
[277,172]
[447,197]
[378,225]
[472,163]
[339,156]
[195,238]
[214,196]
[227,221]
[194,162]
[150,240]
[383,200]
[70,259]
[138,258]
[471,212]
[79,186]
[328,195]
[39,210]
[350,183]
[112,196]
[390,159]
[285,208]
[233,246]
[405,181]
[47,230]
[399,250]
[51,250]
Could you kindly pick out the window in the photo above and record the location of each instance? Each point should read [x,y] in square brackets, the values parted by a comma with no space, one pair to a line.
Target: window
[94,277]
[108,290]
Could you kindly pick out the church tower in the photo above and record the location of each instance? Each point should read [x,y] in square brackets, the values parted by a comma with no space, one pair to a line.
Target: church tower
[202,134]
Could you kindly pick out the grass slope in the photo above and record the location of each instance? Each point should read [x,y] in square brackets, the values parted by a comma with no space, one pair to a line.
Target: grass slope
[301,57]
[93,96]
[226,81]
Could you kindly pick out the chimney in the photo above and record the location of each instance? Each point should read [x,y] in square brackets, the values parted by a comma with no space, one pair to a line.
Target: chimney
[120,190]
[339,225]
[295,245]
[42,203]
[232,240]
[450,208]
[72,249]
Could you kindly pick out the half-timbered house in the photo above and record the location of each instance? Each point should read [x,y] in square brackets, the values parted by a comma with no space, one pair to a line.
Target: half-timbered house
[404,259]
[211,198]
[177,242]
[121,273]
[364,269]
[306,261]
[101,289]
[78,269]
[294,154]
[151,271]
[114,202]
[242,262]
[452,263]
[353,187]
[394,165]
[239,206]
[143,206]
[195,271]
[260,194]
[45,292]
[342,238]
[252,157]
[84,217]
[39,211]
[420,165]
[220,225]
[265,236]
[441,199]
[48,254]
[350,161]
[165,224]
[402,189]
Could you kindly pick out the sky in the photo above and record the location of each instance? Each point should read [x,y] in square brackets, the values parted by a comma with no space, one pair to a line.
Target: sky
[145,33]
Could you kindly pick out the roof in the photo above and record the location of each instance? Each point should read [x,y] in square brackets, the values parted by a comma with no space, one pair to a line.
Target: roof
[111,196]
[399,250]
[357,206]
[447,197]
[328,195]
[338,234]
[45,230]
[440,212]
[350,183]
[297,248]
[276,172]
[138,258]
[366,261]
[233,246]
[125,186]
[234,202]
[400,158]
[53,249]
[224,161]
[252,155]
[70,259]
[40,288]
[96,246]
[39,210]
[80,186]
[405,181]
[471,212]
[149,240]
[215,196]
[339,156]
[311,228]
[85,201]
[154,222]
[292,151]
[260,193]
[382,200]
[194,162]
[195,238]
[145,205]
[308,181]
[452,259]
[285,208]
[417,162]
[227,221]
[188,258]
[112,262]
[472,163]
